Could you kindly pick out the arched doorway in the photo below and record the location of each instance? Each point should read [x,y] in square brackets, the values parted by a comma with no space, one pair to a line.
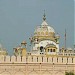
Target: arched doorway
[41,49]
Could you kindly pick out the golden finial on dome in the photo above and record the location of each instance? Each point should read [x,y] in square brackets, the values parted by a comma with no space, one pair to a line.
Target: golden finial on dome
[44,16]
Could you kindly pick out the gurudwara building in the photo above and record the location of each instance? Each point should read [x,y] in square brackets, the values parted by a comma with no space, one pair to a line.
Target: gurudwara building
[45,57]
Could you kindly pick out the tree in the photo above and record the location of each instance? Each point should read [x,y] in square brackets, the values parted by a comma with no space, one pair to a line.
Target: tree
[69,73]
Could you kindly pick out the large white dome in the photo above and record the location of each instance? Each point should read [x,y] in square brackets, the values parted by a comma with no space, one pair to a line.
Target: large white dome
[44,24]
[44,28]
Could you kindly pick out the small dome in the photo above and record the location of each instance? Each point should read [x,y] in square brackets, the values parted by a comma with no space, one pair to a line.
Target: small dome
[49,28]
[50,45]
[24,42]
[69,48]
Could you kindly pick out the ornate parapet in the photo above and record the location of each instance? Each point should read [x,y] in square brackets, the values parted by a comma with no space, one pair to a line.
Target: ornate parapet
[36,65]
[38,59]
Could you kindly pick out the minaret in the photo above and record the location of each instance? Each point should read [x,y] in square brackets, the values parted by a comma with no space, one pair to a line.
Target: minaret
[23,46]
[20,50]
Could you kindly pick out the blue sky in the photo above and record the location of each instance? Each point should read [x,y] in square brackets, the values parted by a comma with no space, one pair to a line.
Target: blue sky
[19,18]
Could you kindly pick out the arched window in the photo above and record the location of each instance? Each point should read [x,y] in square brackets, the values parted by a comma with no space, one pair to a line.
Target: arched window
[41,49]
[48,50]
[51,50]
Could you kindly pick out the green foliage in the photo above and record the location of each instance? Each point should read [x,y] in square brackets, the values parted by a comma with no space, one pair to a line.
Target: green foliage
[69,73]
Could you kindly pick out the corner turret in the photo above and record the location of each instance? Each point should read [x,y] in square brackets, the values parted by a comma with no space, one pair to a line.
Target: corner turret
[20,50]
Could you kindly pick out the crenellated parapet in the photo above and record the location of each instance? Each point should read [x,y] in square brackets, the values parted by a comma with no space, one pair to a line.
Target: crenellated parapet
[38,59]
